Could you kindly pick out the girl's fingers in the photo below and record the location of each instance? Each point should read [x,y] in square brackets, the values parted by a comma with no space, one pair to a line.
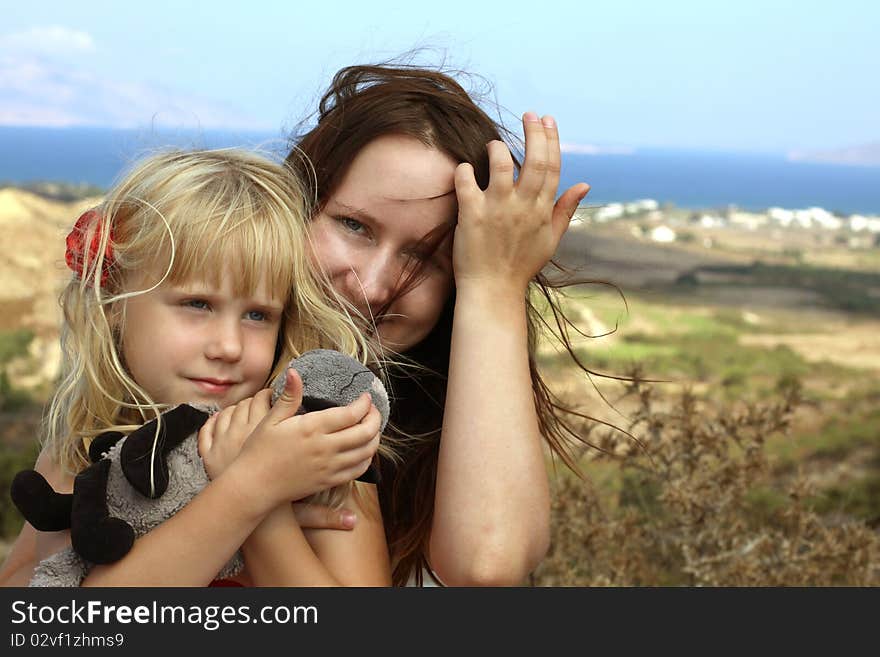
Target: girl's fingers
[356,471]
[260,405]
[206,436]
[241,412]
[290,400]
[537,162]
[355,437]
[500,167]
[333,420]
[554,158]
[224,419]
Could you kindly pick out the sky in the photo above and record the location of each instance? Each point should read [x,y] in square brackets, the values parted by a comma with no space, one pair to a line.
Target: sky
[751,75]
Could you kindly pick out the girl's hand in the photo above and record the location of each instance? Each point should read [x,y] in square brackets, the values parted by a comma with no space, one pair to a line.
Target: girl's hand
[509,232]
[221,437]
[288,456]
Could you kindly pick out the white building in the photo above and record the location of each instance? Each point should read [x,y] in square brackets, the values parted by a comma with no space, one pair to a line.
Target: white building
[662,234]
[858,223]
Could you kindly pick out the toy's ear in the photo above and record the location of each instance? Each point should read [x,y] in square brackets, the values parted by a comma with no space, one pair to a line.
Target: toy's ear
[95,535]
[143,454]
[40,505]
[331,379]
[102,443]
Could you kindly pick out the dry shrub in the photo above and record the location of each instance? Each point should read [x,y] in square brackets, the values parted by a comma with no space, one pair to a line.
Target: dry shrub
[697,504]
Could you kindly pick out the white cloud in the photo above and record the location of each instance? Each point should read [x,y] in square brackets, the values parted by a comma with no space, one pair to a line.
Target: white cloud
[37,92]
[49,40]
[593,149]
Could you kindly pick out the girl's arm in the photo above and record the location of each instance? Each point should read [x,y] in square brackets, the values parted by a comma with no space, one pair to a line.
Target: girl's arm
[291,459]
[492,504]
[147,564]
[32,546]
[286,457]
[280,553]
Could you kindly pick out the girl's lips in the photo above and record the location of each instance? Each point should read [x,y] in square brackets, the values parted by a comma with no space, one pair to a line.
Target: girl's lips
[213,386]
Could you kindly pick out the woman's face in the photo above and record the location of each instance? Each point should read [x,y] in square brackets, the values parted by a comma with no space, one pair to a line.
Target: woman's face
[396,191]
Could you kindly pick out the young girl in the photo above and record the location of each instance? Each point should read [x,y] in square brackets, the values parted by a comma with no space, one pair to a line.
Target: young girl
[191,284]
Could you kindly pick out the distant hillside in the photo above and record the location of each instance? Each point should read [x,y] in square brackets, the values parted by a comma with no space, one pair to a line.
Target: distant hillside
[57,191]
[863,155]
[32,264]
[601,253]
[32,271]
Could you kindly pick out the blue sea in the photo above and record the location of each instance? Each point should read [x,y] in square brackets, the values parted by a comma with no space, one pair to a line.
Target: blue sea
[689,179]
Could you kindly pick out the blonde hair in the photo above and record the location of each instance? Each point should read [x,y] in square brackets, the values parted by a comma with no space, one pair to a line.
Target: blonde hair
[188,215]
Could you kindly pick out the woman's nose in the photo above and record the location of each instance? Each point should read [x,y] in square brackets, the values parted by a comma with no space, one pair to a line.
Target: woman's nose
[372,283]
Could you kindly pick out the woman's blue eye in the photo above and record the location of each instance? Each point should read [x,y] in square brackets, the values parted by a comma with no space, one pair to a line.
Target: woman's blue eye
[351,224]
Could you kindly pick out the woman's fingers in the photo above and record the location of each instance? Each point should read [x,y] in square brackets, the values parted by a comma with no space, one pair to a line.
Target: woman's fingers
[536,163]
[500,167]
[554,158]
[566,206]
[466,189]
[317,516]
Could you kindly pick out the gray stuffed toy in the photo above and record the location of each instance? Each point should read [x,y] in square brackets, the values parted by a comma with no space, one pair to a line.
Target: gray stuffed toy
[131,487]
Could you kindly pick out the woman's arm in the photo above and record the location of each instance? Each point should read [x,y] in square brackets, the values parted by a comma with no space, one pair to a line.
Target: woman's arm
[492,503]
[280,553]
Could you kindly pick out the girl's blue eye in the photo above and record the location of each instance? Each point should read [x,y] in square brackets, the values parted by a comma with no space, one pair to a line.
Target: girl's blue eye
[257,316]
[199,304]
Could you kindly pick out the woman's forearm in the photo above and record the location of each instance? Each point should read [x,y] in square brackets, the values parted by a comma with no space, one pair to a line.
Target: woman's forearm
[278,554]
[491,516]
[281,553]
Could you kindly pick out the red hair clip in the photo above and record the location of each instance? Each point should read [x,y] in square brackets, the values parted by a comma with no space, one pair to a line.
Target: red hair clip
[76,244]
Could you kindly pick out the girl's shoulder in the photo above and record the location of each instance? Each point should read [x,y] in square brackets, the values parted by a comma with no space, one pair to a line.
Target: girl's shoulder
[58,477]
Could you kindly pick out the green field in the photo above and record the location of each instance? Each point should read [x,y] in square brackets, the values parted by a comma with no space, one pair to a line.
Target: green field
[741,443]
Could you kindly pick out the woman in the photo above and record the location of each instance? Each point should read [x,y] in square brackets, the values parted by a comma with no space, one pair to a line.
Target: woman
[421,225]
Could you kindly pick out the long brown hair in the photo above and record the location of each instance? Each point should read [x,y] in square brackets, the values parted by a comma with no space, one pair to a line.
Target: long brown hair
[362,104]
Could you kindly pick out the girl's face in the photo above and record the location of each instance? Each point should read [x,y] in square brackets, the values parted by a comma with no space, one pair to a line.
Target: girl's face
[201,343]
[395,191]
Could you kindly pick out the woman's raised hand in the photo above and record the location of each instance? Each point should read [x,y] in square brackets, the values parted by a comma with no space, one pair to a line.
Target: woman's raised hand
[507,233]
[287,456]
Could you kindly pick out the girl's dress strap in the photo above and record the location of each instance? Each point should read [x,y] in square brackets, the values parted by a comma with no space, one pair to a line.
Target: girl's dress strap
[225,582]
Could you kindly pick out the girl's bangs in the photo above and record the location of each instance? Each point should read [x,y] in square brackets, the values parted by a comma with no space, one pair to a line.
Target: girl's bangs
[252,252]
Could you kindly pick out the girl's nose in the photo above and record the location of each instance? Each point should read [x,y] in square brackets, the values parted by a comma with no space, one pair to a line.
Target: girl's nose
[225,340]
